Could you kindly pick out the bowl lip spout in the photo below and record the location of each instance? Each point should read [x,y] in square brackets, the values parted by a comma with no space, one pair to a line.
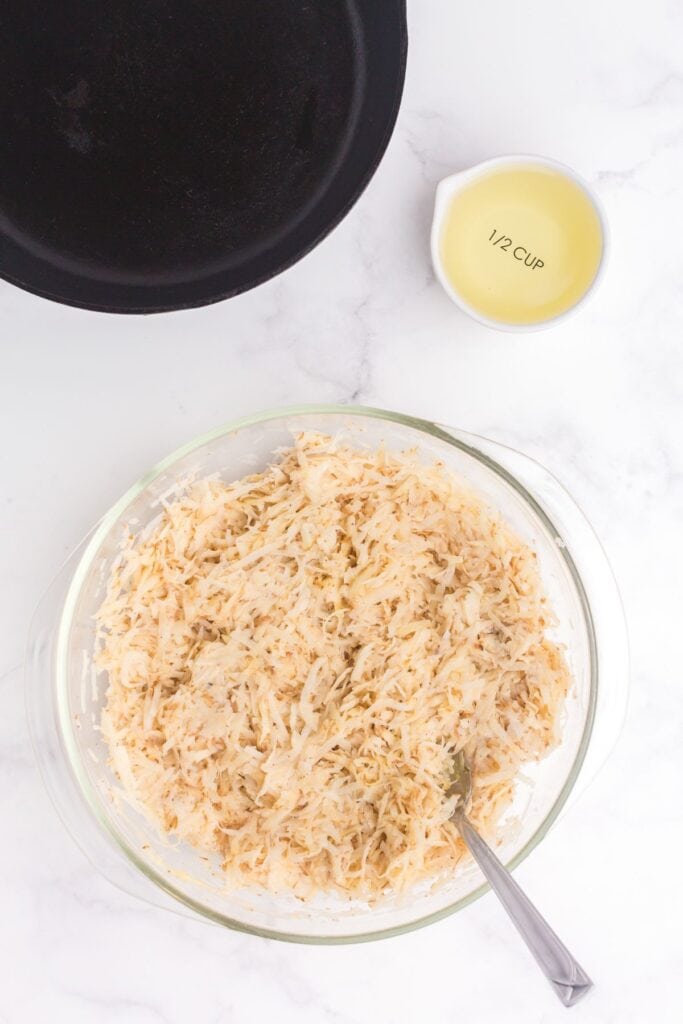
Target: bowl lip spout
[466,443]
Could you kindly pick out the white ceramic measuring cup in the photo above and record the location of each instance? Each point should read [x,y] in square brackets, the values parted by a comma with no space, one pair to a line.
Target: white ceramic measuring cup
[449,187]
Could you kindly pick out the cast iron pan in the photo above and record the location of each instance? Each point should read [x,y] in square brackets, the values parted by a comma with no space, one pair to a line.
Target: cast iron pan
[160,154]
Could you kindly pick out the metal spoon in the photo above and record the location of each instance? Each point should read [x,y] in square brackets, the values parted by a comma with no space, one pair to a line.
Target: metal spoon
[568,979]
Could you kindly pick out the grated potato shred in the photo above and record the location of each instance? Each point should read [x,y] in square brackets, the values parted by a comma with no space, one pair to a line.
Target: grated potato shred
[294,658]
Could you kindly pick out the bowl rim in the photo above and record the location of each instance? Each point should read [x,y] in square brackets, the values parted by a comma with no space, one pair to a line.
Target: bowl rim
[66,725]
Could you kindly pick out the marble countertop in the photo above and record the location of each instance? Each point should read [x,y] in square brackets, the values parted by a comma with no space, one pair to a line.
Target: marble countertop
[598,400]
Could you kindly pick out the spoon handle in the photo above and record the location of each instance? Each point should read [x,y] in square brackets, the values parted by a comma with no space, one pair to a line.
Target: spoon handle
[565,975]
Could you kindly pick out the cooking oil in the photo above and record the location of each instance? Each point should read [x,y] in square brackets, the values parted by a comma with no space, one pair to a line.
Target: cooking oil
[521,243]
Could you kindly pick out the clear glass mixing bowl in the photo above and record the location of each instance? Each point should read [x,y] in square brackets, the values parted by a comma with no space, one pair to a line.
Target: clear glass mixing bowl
[64,694]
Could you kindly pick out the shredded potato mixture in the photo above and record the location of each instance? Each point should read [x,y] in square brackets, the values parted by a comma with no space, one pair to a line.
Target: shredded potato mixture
[294,658]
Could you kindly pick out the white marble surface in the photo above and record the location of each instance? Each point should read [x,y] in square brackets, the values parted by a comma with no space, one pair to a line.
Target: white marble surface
[598,400]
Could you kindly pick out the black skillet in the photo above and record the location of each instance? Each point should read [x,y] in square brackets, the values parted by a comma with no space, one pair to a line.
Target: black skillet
[161,154]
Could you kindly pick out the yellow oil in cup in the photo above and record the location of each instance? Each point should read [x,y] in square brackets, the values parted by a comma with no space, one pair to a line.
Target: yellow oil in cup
[517,242]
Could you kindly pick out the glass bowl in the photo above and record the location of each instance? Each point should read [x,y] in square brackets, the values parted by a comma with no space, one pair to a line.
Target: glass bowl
[64,693]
